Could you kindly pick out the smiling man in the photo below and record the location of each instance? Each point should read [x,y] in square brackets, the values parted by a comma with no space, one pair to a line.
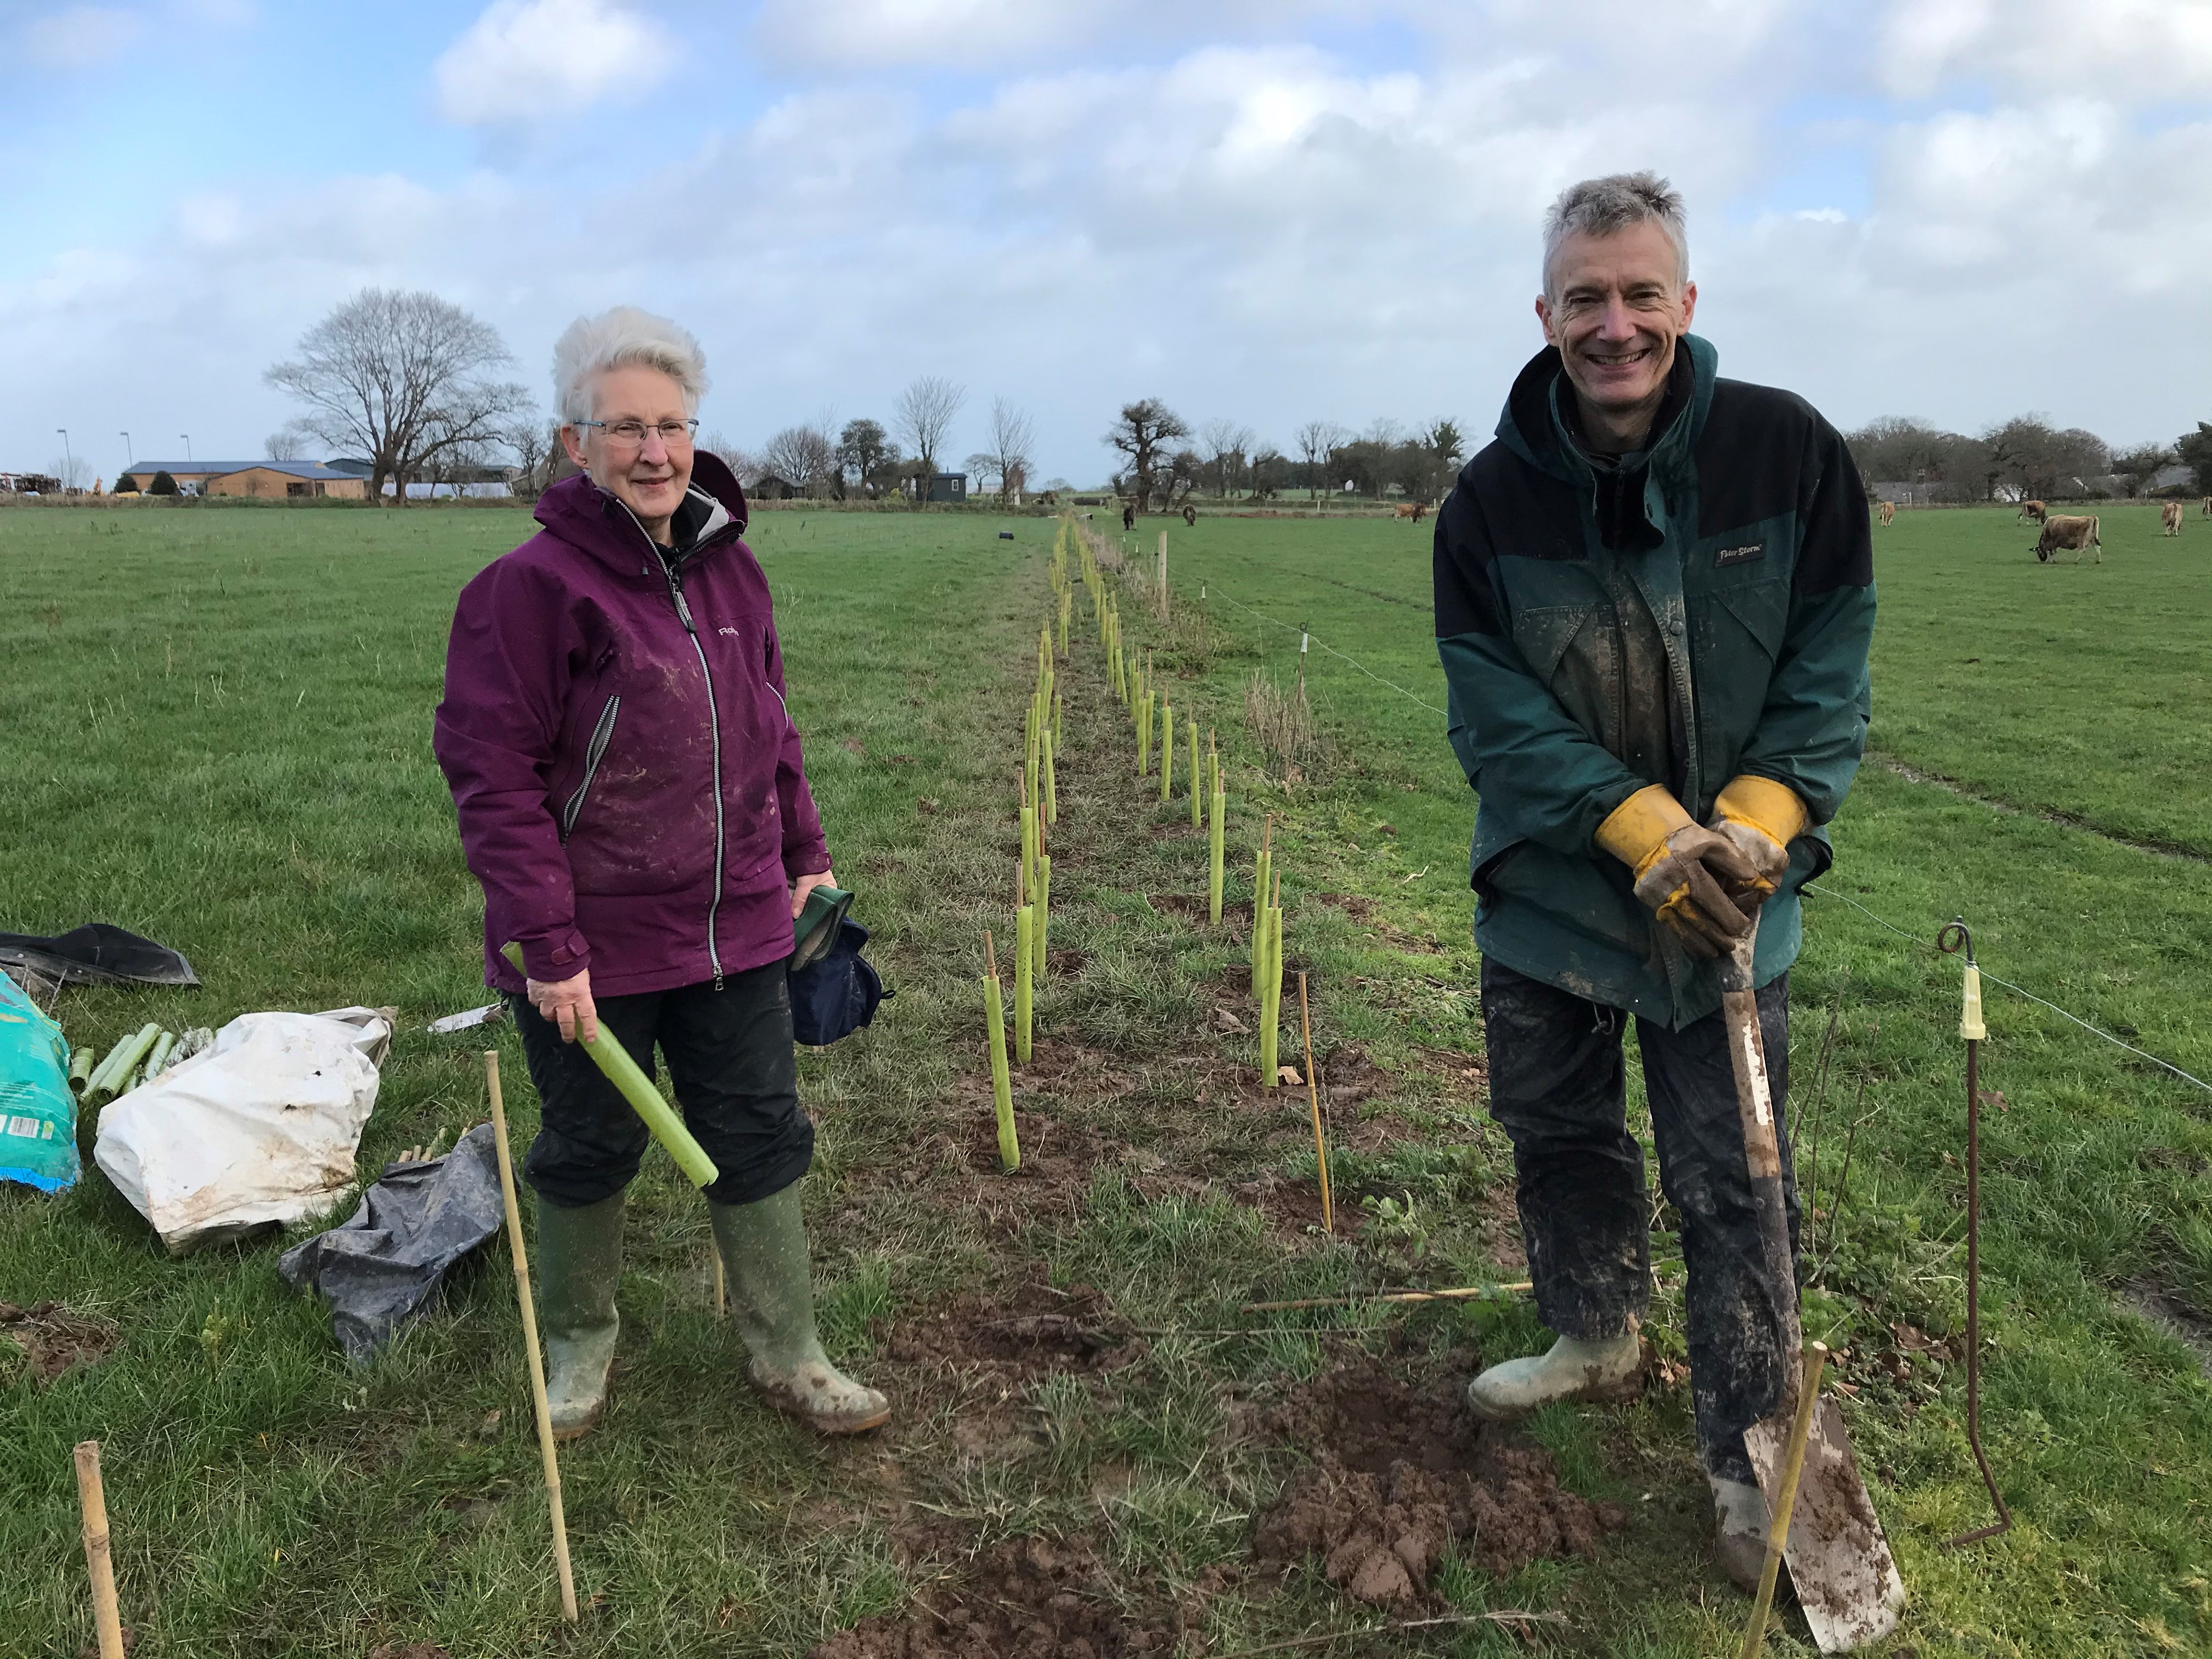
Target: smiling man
[1655,594]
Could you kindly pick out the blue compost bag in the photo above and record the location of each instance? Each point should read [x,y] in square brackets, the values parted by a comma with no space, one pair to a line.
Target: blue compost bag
[38,1114]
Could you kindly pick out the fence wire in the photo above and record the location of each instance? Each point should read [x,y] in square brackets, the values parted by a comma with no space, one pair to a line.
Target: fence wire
[2094,1031]
[2190,1078]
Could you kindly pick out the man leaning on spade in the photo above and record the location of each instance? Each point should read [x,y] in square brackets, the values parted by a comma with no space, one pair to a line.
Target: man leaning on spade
[1654,595]
[633,797]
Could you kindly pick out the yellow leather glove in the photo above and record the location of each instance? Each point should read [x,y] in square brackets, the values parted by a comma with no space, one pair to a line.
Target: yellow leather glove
[1760,818]
[1675,861]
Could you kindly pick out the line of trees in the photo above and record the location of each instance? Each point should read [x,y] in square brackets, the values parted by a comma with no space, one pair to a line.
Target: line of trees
[1164,461]
[2025,458]
[864,458]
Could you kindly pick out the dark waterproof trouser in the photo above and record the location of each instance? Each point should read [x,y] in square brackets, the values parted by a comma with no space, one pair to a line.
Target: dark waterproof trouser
[1559,1089]
[736,1074]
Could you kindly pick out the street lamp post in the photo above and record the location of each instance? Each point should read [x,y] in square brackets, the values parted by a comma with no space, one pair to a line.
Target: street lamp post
[68,461]
[188,437]
[129,453]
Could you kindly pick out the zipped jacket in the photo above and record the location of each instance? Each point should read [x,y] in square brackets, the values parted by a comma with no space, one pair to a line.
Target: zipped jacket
[631,790]
[1742,530]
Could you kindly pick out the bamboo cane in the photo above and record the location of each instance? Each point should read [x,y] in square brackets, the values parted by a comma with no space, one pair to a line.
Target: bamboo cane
[1313,1098]
[1213,878]
[1043,906]
[530,1339]
[1002,1087]
[1466,1293]
[99,1555]
[1024,971]
[1786,1500]
[1196,789]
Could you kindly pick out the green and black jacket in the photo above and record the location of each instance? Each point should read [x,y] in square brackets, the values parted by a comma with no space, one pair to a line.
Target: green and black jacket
[1742,530]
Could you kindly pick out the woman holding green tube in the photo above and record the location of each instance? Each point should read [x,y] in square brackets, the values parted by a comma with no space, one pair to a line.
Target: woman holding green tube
[633,797]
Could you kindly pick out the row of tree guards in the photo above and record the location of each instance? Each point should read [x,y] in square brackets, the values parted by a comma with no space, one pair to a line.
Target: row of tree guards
[1134,678]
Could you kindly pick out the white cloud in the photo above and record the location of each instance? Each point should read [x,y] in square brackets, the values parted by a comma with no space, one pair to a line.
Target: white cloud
[81,37]
[2145,50]
[524,62]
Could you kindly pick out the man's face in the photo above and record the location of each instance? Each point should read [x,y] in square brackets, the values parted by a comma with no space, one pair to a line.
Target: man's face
[649,475]
[1616,306]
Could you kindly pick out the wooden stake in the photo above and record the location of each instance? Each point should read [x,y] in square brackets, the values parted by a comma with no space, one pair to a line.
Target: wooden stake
[1313,1096]
[1025,979]
[1466,1294]
[530,1339]
[98,1557]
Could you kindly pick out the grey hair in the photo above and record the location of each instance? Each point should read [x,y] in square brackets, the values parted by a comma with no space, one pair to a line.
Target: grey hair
[1600,207]
[623,337]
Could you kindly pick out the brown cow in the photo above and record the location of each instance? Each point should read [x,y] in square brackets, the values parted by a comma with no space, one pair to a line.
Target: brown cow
[2068,531]
[2169,517]
[1888,512]
[1406,510]
[1189,513]
[2034,512]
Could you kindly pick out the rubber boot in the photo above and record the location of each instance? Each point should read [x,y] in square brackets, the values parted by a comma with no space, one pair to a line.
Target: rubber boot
[764,1248]
[1740,1535]
[1572,1369]
[580,1255]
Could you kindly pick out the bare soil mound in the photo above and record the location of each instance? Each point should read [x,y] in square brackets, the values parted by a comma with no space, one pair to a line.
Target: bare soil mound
[52,1339]
[1025,1597]
[1033,1332]
[1403,1477]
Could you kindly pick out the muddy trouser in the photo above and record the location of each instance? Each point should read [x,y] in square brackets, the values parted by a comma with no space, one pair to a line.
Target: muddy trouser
[1558,1090]
[730,1056]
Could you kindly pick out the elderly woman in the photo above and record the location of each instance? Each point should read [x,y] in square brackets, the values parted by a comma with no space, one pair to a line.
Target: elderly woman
[633,798]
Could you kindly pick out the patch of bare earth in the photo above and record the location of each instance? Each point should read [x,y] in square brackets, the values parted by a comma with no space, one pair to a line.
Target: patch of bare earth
[1024,1597]
[52,1339]
[1404,1476]
[1031,1331]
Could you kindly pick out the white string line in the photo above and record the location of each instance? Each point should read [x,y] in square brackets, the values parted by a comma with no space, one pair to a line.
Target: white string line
[1819,892]
[1822,892]
[1333,651]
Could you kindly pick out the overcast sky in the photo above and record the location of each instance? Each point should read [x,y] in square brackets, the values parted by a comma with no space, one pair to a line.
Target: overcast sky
[1273,211]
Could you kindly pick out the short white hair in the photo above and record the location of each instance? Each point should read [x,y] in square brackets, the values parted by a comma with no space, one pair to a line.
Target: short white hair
[624,337]
[1600,207]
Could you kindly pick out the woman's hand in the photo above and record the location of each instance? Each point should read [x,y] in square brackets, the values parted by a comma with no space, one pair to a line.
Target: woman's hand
[806,885]
[568,1003]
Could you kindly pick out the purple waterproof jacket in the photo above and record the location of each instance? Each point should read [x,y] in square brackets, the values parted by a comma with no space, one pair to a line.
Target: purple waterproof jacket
[631,791]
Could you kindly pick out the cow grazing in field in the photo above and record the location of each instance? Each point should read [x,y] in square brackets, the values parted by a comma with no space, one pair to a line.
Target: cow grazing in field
[1405,510]
[1416,511]
[2169,517]
[1888,512]
[1189,513]
[2065,530]
[2034,512]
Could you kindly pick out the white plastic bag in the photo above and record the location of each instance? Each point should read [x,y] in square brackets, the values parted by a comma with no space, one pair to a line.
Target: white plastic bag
[258,1127]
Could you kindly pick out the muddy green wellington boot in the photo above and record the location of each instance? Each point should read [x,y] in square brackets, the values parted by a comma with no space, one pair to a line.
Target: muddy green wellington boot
[1740,1521]
[764,1248]
[1572,1369]
[580,1255]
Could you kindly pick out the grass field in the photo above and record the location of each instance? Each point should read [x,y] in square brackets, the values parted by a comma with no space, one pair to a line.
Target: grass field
[217,731]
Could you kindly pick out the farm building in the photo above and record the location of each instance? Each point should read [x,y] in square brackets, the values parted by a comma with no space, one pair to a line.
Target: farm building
[769,488]
[271,479]
[948,487]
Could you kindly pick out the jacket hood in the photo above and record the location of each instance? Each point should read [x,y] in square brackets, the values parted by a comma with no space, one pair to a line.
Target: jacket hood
[1527,428]
[585,516]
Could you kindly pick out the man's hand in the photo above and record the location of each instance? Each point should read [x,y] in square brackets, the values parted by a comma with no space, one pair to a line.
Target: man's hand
[1676,863]
[804,885]
[1760,818]
[568,1003]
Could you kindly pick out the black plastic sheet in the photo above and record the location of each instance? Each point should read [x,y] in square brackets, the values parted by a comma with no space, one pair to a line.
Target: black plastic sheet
[98,953]
[382,1267]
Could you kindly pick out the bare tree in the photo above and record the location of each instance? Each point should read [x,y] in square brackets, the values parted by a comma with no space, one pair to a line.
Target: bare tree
[1014,434]
[1223,445]
[803,456]
[533,442]
[1316,441]
[1144,427]
[924,415]
[400,378]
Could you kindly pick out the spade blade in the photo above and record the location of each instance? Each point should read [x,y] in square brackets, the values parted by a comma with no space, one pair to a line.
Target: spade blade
[1846,1580]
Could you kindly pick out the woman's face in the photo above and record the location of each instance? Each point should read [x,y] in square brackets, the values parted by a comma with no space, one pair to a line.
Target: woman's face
[647,475]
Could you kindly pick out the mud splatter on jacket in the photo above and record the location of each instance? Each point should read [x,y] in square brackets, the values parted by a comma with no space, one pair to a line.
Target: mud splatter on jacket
[1744,528]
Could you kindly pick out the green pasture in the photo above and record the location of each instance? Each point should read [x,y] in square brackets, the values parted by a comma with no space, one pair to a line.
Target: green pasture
[216,731]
